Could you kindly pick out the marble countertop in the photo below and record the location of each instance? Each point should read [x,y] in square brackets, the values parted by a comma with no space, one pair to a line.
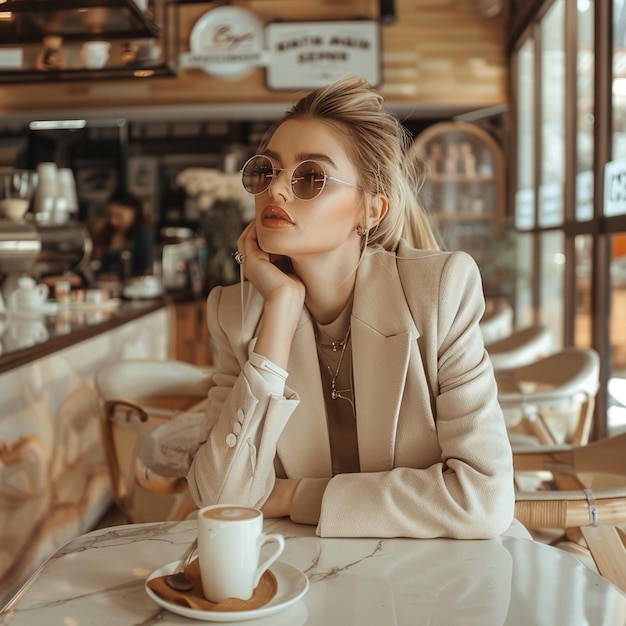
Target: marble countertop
[25,337]
[98,579]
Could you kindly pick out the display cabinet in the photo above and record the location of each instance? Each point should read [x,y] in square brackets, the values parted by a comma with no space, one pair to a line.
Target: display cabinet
[464,172]
[464,193]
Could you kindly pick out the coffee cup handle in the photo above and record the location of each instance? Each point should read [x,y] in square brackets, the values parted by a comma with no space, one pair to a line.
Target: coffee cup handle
[263,539]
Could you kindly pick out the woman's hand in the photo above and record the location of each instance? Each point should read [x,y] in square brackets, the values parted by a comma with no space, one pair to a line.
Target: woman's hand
[266,271]
[283,295]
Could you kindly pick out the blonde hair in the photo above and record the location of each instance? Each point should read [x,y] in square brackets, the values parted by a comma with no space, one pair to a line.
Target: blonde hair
[376,143]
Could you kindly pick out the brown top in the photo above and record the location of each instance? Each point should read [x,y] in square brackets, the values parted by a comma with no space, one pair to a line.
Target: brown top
[335,357]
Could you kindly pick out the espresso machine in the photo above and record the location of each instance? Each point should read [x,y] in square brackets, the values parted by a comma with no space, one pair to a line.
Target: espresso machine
[38,249]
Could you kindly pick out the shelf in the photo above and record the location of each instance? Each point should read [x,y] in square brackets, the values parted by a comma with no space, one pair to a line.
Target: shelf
[75,20]
[113,73]
[445,216]
[447,179]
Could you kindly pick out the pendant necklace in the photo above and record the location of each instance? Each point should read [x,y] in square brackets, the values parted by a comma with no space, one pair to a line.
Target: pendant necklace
[335,344]
[334,392]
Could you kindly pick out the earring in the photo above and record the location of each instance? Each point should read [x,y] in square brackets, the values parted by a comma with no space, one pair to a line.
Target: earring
[361,231]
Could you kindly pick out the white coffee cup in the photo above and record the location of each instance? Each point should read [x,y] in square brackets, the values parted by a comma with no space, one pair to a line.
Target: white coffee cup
[95,54]
[13,208]
[230,538]
[94,296]
[29,295]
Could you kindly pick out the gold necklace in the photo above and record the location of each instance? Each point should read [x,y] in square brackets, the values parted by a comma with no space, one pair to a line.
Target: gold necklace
[335,344]
[334,392]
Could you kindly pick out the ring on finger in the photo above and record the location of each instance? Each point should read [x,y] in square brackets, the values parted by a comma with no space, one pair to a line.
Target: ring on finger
[239,257]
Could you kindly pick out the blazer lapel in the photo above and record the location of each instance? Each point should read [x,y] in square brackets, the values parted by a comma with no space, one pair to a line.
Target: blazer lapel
[384,334]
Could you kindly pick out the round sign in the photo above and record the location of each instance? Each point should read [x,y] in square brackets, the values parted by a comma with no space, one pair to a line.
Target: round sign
[227,41]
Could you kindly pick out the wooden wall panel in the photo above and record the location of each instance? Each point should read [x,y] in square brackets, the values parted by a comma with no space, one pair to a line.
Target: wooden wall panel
[438,54]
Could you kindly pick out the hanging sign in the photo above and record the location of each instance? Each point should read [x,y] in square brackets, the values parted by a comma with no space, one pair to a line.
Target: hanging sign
[226,42]
[303,55]
[230,42]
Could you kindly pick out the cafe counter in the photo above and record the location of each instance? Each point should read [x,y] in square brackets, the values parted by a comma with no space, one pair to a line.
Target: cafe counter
[54,483]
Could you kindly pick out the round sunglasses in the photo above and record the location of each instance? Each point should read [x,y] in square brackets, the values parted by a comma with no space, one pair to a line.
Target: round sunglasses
[308,178]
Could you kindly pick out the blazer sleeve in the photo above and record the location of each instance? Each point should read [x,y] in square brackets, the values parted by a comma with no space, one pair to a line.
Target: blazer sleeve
[468,493]
[236,462]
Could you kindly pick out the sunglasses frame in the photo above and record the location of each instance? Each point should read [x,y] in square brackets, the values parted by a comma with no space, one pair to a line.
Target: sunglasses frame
[276,171]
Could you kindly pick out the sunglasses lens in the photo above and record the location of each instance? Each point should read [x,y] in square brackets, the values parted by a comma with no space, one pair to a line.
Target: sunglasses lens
[257,175]
[308,180]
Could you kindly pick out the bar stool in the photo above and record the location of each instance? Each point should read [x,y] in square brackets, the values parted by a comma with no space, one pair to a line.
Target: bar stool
[551,400]
[135,397]
[497,322]
[521,347]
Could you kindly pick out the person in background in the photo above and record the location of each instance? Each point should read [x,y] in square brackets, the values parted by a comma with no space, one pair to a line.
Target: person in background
[124,245]
[352,390]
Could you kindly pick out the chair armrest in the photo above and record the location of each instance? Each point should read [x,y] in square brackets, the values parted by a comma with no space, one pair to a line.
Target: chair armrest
[570,509]
[543,458]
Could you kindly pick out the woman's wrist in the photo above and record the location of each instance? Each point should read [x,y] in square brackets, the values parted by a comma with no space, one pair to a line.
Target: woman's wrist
[278,326]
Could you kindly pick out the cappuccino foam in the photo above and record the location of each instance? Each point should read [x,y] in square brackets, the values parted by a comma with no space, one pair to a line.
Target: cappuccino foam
[231,513]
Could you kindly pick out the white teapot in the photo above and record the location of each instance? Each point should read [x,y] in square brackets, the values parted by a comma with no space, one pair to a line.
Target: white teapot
[29,296]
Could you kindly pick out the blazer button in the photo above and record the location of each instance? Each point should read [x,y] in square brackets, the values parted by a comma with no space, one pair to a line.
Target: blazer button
[231,440]
[237,428]
[240,415]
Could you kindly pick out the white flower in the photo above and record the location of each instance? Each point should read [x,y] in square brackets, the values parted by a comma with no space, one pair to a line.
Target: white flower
[208,185]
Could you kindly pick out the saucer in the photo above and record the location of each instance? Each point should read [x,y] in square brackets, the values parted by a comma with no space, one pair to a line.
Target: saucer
[37,313]
[141,292]
[292,585]
[110,303]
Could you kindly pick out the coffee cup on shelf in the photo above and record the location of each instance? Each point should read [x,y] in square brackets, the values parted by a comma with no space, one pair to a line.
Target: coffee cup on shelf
[95,54]
[230,538]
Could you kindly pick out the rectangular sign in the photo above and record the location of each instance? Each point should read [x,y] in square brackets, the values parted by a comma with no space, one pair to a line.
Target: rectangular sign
[550,204]
[306,55]
[615,188]
[584,195]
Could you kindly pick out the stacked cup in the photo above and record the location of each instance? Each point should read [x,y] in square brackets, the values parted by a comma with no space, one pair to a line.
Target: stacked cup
[47,189]
[66,201]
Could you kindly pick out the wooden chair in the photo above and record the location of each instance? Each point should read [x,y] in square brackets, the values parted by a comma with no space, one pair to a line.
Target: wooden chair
[136,396]
[521,347]
[551,400]
[584,499]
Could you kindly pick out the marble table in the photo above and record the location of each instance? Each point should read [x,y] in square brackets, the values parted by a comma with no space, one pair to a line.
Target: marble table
[98,579]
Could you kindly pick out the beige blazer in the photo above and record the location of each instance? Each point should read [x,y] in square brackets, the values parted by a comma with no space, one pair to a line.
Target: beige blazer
[434,453]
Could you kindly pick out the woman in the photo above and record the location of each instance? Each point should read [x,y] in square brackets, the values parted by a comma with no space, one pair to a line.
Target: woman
[125,244]
[352,388]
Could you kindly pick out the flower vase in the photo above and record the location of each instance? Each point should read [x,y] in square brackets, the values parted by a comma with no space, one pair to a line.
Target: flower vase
[221,227]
